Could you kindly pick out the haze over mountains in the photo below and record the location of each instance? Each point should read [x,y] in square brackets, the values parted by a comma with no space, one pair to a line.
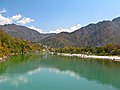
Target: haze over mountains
[97,34]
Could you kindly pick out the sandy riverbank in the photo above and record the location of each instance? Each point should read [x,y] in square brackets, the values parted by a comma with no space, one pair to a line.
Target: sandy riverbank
[114,58]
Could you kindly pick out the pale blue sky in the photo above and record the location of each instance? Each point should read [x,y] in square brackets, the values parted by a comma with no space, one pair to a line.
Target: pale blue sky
[53,14]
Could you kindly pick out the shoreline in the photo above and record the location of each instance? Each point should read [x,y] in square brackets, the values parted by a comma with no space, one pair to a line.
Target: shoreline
[2,59]
[113,58]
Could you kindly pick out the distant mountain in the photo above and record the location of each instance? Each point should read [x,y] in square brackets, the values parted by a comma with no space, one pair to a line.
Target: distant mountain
[97,34]
[23,32]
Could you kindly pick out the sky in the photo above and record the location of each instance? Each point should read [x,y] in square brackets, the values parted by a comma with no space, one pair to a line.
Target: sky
[54,16]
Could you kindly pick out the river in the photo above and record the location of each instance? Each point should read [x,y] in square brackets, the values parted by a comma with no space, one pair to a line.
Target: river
[42,71]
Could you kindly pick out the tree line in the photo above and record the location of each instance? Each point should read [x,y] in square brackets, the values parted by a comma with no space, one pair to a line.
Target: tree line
[108,49]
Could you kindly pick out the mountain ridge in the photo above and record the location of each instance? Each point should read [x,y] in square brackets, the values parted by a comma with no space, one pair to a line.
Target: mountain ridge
[98,34]
[94,34]
[23,32]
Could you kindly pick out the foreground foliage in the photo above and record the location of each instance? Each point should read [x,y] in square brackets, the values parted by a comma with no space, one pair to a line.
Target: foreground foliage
[10,45]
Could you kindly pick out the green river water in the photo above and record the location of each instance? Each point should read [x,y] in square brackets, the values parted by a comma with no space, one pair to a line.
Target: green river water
[42,71]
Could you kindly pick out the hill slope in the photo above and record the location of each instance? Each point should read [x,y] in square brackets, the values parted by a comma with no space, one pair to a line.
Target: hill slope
[97,34]
[23,32]
[10,44]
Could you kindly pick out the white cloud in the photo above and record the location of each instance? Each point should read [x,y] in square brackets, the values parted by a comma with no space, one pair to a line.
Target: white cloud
[9,20]
[71,29]
[19,19]
[16,17]
[37,29]
[25,20]
[3,10]
[5,20]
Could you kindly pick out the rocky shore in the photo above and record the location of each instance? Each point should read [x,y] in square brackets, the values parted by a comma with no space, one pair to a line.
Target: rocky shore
[114,58]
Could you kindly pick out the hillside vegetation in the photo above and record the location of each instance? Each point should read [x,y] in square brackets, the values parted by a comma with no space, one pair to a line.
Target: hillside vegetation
[10,45]
[109,49]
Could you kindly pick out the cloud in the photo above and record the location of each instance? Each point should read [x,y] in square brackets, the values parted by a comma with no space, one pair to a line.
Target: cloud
[37,29]
[4,20]
[18,19]
[71,29]
[3,10]
[9,20]
[25,20]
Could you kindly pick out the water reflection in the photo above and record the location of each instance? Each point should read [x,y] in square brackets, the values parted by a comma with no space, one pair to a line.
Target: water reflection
[67,72]
[14,70]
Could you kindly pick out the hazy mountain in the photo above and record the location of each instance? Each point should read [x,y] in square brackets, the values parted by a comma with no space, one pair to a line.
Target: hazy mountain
[59,40]
[23,32]
[97,34]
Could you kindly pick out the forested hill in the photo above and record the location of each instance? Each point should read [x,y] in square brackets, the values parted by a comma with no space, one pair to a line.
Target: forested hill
[9,44]
[98,34]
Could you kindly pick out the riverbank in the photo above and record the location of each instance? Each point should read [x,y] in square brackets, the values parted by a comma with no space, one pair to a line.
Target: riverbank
[2,59]
[114,58]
